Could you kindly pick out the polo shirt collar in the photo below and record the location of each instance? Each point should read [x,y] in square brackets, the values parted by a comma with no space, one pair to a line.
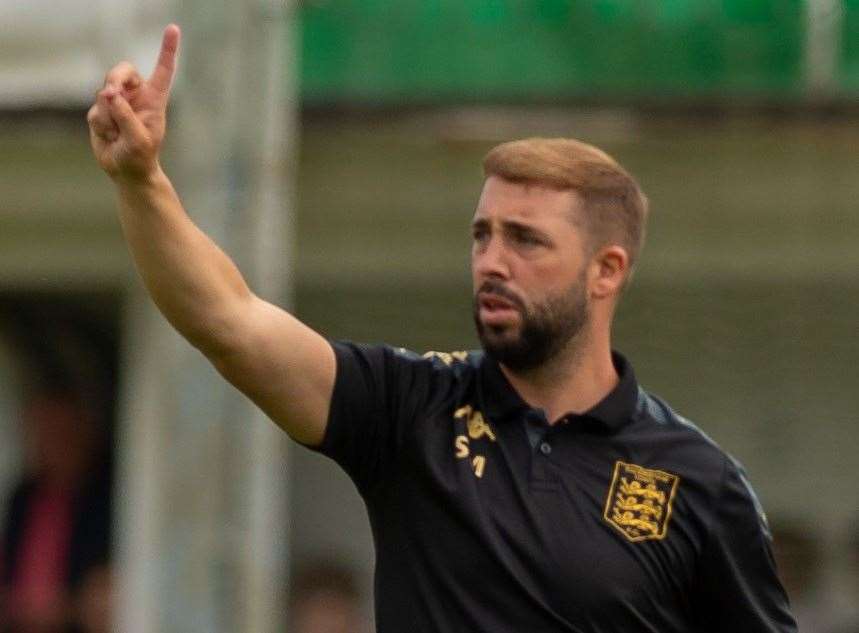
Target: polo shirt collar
[502,402]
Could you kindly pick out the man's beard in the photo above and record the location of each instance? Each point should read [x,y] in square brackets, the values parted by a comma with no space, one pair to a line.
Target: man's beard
[545,330]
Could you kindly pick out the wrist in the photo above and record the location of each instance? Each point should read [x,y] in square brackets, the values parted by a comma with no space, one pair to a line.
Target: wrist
[142,179]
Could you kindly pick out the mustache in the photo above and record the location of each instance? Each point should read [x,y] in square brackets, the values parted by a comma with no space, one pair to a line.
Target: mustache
[499,289]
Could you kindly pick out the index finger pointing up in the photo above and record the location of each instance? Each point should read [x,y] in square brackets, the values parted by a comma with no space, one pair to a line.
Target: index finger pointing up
[162,76]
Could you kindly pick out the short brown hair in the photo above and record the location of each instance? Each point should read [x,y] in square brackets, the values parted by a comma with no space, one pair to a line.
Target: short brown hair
[615,207]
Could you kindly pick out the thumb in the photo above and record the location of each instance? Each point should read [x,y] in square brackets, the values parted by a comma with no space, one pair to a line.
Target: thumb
[126,120]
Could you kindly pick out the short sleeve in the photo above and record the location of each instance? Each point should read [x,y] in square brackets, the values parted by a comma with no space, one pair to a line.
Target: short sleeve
[738,588]
[378,391]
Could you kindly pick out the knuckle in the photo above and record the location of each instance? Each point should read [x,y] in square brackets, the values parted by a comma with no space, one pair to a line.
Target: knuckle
[119,72]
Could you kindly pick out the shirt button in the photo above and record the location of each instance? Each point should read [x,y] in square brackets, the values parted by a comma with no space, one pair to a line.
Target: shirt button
[545,448]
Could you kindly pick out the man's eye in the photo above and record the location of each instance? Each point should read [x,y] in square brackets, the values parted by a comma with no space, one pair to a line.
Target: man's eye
[528,239]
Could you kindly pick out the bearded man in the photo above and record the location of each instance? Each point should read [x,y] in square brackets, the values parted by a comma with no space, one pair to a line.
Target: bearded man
[530,487]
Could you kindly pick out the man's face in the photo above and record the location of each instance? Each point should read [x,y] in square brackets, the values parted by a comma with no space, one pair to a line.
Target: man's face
[528,264]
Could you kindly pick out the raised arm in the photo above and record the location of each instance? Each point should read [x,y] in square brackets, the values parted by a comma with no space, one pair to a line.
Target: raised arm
[285,367]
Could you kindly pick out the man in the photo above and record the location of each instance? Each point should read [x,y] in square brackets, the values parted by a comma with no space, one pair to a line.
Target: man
[56,527]
[324,598]
[529,488]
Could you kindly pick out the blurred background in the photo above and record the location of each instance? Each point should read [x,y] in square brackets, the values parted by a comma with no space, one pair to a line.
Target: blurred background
[333,148]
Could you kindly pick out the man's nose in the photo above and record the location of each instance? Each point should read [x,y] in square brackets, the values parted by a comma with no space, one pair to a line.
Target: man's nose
[492,260]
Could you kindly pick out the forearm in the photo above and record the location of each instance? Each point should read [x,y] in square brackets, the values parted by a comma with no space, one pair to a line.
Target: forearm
[193,282]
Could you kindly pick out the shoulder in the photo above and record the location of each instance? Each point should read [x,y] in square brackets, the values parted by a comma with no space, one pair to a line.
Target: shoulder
[714,482]
[461,363]
[400,366]
[694,452]
[657,418]
[454,361]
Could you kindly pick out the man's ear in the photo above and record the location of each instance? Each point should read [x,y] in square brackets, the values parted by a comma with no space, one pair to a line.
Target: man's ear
[609,271]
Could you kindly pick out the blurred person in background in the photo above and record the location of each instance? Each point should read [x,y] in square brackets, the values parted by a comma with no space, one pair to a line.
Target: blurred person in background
[324,598]
[57,522]
[533,486]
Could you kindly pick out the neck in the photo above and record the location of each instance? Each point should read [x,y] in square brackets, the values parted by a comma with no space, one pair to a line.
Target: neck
[574,381]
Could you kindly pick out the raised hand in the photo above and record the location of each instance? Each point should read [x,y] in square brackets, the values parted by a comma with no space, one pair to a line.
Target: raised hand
[128,120]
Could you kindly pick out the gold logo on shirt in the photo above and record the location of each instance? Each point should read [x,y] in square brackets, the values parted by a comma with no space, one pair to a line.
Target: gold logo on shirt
[639,501]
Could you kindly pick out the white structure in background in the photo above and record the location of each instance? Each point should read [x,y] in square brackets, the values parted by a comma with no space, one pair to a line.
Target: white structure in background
[53,52]
[203,520]
[201,494]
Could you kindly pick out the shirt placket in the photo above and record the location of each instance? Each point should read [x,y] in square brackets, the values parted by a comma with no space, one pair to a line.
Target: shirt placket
[543,477]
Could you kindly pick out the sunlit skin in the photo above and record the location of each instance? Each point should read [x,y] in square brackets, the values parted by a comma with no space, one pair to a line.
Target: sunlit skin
[529,245]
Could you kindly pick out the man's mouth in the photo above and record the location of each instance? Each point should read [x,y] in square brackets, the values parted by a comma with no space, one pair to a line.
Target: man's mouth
[495,309]
[492,301]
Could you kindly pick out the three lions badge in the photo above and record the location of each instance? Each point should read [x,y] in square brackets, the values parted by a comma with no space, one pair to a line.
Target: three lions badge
[639,501]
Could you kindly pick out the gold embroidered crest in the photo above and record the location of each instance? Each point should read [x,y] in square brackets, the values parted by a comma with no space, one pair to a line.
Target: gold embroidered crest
[639,501]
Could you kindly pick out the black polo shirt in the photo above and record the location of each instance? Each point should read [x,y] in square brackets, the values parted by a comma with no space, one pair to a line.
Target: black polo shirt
[486,519]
